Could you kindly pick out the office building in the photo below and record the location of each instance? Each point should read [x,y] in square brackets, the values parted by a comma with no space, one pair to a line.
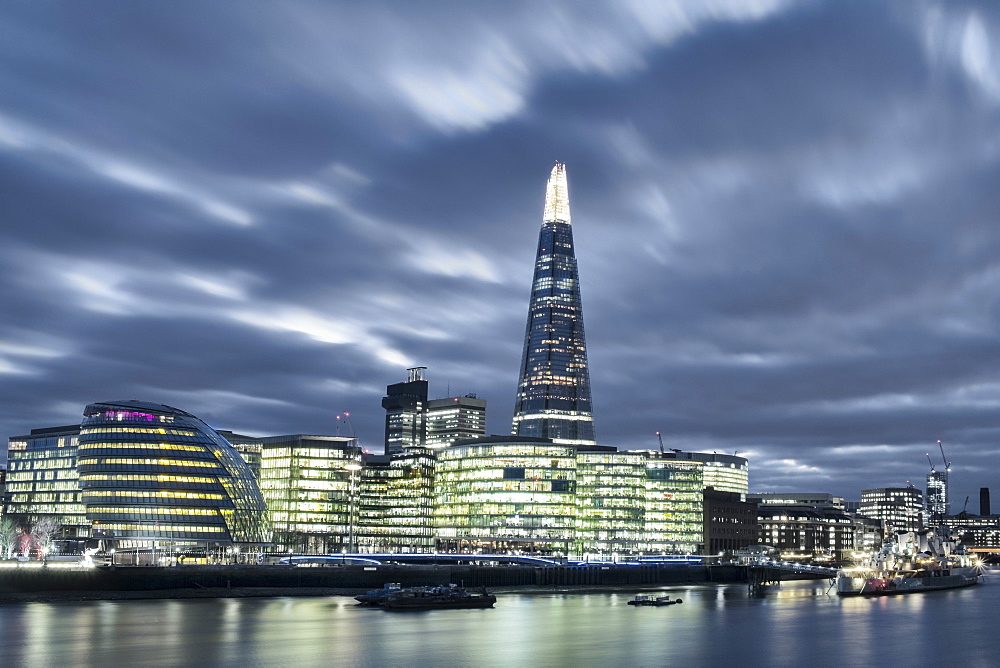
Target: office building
[414,421]
[454,419]
[151,473]
[730,522]
[807,533]
[42,482]
[723,473]
[553,391]
[396,502]
[247,446]
[311,486]
[405,407]
[673,505]
[898,508]
[936,501]
[979,533]
[502,494]
[609,501]
[810,499]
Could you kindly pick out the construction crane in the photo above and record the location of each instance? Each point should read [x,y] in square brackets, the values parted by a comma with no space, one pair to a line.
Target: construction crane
[947,464]
[660,438]
[928,455]
[346,417]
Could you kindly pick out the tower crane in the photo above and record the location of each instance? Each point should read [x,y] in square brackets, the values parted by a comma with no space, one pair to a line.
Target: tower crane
[947,464]
[347,418]
[660,438]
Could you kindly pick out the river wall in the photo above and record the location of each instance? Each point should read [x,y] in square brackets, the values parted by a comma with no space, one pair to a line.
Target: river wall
[22,580]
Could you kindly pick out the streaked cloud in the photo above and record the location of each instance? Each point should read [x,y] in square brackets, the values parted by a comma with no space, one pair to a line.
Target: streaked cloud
[784,215]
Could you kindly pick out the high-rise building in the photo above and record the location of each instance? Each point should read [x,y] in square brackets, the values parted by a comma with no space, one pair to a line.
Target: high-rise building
[455,419]
[405,407]
[898,508]
[936,500]
[413,421]
[553,392]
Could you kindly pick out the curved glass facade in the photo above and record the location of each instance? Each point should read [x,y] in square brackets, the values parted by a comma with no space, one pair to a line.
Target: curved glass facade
[153,472]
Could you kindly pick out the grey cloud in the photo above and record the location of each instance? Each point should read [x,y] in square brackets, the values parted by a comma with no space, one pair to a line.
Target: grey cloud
[784,213]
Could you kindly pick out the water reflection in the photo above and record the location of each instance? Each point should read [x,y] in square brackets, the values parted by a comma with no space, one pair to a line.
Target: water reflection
[800,623]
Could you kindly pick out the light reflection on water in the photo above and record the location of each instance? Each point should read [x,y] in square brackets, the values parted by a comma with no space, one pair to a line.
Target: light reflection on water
[800,623]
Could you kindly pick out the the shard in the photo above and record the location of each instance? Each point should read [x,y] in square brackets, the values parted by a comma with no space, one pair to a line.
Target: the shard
[553,392]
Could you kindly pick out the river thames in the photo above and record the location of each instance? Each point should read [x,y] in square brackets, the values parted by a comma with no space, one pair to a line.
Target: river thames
[798,624]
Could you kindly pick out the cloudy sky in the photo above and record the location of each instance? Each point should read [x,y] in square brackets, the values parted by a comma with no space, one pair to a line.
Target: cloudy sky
[262,213]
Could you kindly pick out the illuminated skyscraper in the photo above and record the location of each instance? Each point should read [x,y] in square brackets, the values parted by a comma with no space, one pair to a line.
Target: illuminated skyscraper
[553,393]
[936,499]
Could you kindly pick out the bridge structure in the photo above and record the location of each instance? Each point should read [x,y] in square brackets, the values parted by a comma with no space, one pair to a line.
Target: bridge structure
[764,573]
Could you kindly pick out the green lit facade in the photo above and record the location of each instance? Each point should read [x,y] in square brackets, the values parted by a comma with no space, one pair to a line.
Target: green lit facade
[534,496]
[508,495]
[609,501]
[396,502]
[323,495]
[673,504]
[311,490]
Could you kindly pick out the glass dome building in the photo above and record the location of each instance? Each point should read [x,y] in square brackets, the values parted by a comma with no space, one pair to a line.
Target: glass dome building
[150,472]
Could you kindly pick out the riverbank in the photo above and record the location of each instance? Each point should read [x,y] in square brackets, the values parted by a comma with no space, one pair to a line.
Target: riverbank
[19,585]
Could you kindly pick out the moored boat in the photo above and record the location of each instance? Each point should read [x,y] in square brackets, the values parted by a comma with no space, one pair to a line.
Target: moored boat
[646,600]
[375,596]
[916,561]
[451,597]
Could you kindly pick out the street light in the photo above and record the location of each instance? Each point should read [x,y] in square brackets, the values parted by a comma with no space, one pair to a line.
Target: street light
[353,469]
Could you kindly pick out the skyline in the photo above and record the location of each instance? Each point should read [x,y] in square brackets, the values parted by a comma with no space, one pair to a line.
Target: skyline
[785,218]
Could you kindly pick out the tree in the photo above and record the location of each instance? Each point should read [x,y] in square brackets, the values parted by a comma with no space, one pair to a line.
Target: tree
[44,533]
[8,538]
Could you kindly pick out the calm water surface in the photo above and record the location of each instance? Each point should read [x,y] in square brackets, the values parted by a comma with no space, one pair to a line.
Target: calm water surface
[796,625]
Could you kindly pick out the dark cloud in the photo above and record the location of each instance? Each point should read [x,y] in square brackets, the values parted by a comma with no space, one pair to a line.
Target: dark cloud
[784,216]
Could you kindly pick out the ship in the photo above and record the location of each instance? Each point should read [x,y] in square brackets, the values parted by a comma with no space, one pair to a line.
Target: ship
[915,561]
[375,596]
[657,601]
[443,597]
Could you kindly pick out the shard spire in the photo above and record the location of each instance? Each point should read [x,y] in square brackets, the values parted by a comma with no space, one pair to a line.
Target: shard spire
[557,196]
[553,392]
